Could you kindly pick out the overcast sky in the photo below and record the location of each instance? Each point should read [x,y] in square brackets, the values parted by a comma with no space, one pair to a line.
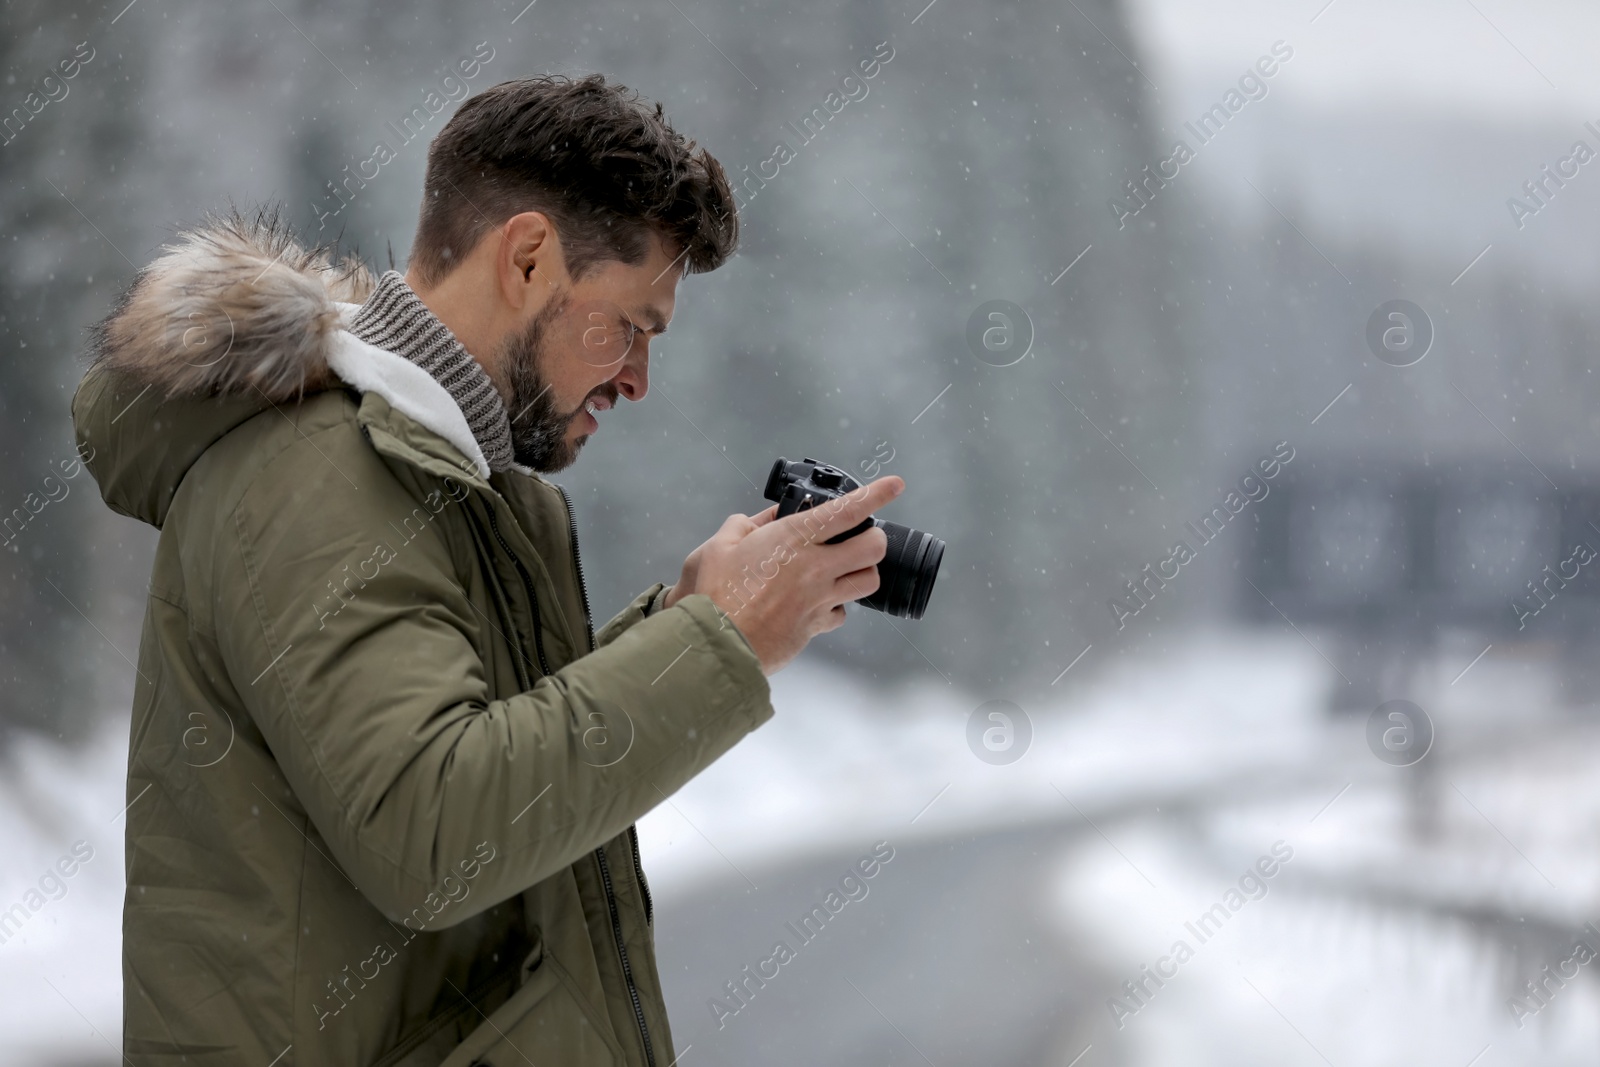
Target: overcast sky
[1411,121]
[1457,55]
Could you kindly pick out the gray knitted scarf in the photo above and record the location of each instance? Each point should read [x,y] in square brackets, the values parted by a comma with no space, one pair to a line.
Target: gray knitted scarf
[396,319]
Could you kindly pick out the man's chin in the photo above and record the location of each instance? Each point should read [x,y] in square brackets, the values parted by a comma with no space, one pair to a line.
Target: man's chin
[550,464]
[575,446]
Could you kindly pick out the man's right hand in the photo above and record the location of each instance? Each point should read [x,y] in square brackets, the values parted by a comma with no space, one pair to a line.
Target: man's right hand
[778,582]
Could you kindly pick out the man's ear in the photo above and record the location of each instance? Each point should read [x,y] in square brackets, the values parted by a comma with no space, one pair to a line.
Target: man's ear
[529,259]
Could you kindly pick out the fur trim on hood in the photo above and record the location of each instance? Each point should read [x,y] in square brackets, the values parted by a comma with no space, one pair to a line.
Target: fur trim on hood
[235,318]
[236,305]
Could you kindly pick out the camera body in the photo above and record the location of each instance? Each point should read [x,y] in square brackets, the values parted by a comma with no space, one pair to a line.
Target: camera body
[911,563]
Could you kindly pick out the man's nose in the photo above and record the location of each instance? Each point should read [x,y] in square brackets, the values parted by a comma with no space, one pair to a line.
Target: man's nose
[633,380]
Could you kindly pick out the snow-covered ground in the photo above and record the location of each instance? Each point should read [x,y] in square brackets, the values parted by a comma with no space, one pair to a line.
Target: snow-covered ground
[1376,944]
[1382,941]
[61,972]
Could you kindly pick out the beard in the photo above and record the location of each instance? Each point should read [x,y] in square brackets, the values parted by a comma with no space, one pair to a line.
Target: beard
[538,429]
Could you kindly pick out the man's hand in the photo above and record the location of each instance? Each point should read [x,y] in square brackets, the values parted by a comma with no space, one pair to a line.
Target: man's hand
[776,579]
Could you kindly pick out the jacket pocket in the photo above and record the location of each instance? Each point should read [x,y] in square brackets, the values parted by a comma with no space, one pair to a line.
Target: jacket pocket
[545,1021]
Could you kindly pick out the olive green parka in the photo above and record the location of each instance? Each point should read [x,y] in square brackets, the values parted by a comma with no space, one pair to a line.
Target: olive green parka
[382,774]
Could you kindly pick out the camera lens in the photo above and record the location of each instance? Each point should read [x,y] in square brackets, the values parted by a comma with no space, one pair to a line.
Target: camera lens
[906,575]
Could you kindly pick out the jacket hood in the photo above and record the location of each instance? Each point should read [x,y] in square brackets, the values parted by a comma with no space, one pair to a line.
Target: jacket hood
[234,317]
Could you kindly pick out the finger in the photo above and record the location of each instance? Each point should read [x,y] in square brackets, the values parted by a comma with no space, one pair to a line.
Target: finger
[855,585]
[761,518]
[838,515]
[835,619]
[865,549]
[738,527]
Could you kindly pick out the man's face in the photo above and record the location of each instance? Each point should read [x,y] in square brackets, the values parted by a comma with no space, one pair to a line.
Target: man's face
[587,346]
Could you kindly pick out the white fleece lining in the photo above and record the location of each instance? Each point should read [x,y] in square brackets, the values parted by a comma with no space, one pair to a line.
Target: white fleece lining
[408,388]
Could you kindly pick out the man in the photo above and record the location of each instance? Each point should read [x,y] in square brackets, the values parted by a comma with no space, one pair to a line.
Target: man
[383,775]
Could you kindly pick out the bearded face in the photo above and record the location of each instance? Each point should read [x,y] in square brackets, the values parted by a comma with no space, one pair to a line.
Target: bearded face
[543,436]
[587,343]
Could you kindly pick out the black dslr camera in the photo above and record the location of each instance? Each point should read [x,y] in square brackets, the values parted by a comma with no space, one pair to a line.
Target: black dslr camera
[905,577]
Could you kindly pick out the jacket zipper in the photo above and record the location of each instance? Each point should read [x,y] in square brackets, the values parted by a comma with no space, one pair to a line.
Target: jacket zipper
[627,972]
[633,834]
[600,853]
[577,564]
[638,872]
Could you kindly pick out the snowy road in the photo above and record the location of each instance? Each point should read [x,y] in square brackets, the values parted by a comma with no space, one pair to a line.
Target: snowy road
[950,956]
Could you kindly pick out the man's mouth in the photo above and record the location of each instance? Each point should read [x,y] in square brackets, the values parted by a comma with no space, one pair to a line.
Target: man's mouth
[593,405]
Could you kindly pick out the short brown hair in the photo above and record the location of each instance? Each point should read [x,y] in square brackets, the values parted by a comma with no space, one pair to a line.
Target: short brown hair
[605,166]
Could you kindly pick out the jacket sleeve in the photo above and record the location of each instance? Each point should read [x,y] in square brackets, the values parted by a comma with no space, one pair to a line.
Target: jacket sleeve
[353,650]
[639,608]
